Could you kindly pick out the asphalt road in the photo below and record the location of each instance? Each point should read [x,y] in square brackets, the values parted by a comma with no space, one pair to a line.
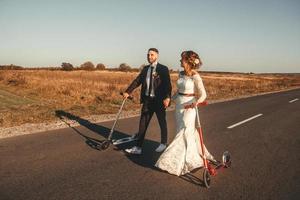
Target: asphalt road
[62,164]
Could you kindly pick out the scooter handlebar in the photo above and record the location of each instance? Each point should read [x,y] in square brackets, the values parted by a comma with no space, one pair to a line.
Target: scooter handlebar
[204,103]
[130,97]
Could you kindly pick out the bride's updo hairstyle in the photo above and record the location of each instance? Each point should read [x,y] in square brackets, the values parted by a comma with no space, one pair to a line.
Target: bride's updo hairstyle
[192,59]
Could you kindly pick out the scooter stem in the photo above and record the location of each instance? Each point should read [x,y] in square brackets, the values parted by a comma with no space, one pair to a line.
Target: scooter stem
[201,139]
[112,129]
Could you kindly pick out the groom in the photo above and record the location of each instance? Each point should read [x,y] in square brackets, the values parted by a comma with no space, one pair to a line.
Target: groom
[155,97]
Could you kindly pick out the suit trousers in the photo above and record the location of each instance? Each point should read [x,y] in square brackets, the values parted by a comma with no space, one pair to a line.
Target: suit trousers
[151,106]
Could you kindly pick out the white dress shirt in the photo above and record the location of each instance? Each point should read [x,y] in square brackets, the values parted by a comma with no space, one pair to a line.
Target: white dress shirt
[152,94]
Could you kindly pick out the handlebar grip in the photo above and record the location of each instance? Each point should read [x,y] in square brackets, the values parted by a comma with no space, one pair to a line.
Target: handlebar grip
[204,103]
[130,97]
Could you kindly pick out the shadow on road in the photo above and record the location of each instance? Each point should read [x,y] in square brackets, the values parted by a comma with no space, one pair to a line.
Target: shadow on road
[147,159]
[189,177]
[101,131]
[98,129]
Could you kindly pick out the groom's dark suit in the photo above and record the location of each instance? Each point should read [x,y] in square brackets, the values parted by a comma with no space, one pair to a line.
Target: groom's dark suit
[162,89]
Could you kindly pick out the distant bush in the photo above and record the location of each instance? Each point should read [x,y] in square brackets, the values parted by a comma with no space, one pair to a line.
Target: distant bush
[12,67]
[87,66]
[67,66]
[124,67]
[100,66]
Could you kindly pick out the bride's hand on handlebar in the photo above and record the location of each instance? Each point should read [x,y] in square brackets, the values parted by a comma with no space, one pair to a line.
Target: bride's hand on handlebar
[194,104]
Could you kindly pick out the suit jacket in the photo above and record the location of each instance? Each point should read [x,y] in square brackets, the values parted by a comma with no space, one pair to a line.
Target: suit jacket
[161,83]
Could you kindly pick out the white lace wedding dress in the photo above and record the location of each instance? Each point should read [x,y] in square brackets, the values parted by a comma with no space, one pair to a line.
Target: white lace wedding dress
[184,153]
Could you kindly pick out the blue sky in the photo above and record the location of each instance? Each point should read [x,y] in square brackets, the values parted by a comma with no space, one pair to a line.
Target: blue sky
[229,35]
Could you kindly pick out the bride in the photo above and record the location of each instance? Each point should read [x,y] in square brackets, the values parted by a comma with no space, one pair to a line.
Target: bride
[184,153]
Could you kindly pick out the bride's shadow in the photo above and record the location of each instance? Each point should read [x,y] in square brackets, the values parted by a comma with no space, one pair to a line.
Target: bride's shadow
[148,157]
[192,178]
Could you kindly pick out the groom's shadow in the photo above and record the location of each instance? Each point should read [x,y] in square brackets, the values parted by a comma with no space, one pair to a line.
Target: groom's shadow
[147,159]
[95,128]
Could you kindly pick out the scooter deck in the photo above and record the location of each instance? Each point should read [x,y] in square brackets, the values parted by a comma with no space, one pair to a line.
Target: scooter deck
[123,140]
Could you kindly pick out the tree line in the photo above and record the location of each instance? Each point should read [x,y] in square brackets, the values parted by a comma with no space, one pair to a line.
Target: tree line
[87,66]
[65,66]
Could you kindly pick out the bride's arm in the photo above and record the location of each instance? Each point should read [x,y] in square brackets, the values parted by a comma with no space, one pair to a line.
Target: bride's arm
[200,87]
[175,95]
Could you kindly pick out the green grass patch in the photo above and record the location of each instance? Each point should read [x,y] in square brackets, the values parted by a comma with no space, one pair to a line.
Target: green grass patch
[9,100]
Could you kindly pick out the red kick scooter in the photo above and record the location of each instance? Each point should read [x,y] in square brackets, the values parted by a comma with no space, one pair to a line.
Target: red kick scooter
[208,169]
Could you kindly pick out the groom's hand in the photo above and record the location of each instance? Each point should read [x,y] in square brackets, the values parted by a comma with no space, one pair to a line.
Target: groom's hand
[125,95]
[167,102]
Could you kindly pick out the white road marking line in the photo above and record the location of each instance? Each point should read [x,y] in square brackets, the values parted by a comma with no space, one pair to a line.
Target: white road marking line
[291,101]
[244,121]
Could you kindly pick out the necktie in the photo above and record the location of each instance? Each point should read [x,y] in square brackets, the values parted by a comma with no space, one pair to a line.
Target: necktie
[150,84]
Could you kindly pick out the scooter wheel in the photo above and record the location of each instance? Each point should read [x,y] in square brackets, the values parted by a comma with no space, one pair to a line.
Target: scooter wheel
[105,145]
[206,178]
[226,159]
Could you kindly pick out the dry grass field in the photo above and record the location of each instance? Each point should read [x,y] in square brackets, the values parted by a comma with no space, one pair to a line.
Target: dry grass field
[33,96]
